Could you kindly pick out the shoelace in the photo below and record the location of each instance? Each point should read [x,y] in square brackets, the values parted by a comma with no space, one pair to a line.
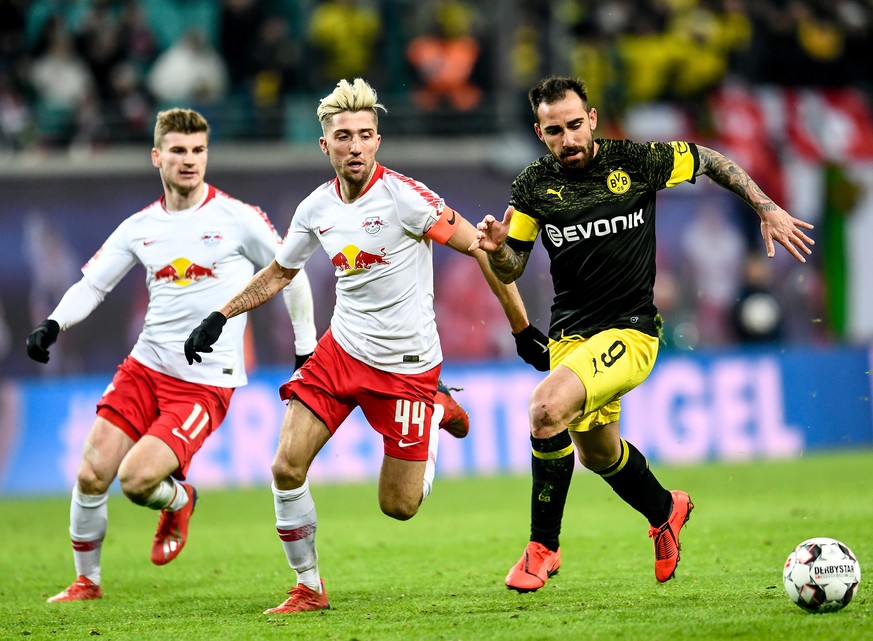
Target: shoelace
[664,541]
[297,593]
[168,527]
[538,554]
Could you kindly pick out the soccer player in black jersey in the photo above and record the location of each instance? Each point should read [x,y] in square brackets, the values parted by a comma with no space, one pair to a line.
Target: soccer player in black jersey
[594,202]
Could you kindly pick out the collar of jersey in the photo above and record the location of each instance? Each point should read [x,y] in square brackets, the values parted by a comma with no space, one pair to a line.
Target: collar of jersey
[208,194]
[377,175]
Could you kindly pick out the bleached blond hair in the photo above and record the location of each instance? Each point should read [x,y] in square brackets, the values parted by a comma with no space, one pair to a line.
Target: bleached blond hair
[354,96]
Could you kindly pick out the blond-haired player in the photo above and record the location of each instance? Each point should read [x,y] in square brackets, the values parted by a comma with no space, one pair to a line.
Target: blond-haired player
[382,351]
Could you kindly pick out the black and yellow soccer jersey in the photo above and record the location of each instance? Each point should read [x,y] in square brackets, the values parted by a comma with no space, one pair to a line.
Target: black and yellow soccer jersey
[598,226]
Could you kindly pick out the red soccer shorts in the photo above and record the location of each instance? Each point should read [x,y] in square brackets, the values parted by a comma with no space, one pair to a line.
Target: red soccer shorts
[398,406]
[141,401]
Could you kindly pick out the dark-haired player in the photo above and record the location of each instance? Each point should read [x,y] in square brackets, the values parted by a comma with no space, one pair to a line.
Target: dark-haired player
[593,201]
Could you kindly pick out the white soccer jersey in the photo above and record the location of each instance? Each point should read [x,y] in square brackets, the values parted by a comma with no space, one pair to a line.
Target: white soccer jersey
[384,265]
[195,260]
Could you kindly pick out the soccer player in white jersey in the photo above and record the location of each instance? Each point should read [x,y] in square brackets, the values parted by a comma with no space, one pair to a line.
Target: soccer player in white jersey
[382,350]
[198,246]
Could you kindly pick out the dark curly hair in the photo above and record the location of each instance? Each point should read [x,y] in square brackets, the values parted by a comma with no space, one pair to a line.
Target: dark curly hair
[552,89]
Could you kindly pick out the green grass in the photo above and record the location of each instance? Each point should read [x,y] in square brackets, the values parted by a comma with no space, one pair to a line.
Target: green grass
[440,575]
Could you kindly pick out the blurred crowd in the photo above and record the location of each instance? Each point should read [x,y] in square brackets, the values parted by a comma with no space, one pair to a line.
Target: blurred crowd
[92,72]
[680,51]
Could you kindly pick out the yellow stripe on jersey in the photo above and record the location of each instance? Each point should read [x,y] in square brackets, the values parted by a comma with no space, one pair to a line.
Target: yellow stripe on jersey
[685,163]
[550,456]
[524,228]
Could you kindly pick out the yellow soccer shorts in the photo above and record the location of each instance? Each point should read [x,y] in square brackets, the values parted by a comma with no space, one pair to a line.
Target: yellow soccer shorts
[610,364]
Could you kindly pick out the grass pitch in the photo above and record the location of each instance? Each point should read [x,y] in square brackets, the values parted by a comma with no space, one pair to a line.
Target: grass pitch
[440,575]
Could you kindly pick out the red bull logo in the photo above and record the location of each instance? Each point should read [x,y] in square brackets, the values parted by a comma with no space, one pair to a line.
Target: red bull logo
[183,272]
[353,260]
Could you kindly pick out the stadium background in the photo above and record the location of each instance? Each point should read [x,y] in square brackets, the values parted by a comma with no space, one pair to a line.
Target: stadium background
[782,87]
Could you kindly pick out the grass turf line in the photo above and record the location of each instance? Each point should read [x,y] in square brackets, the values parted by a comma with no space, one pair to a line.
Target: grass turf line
[440,575]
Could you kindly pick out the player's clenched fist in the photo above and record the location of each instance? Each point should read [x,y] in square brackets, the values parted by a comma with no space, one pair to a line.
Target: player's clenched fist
[204,336]
[41,339]
[533,347]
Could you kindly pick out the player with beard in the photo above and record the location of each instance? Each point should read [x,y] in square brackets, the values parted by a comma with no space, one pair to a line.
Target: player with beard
[594,201]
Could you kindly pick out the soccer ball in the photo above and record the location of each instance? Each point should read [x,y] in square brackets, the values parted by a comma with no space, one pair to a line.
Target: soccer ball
[821,575]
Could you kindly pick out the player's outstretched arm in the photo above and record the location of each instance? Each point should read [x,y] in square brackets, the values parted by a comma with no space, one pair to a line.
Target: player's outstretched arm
[530,343]
[268,282]
[462,240]
[262,287]
[777,225]
[491,235]
[77,303]
[506,293]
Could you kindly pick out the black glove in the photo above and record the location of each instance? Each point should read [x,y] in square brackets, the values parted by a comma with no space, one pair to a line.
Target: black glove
[41,338]
[533,347]
[204,336]
[300,359]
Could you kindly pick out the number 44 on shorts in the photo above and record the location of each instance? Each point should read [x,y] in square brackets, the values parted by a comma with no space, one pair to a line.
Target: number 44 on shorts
[407,414]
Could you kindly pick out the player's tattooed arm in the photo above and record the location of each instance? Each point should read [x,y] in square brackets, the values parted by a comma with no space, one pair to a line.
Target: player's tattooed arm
[506,263]
[777,225]
[728,174]
[262,287]
[255,294]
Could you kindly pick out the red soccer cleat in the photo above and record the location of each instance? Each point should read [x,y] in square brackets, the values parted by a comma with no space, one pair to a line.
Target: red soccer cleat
[455,420]
[82,589]
[302,599]
[173,530]
[666,537]
[534,568]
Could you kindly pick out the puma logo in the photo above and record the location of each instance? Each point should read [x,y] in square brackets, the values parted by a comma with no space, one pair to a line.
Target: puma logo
[557,192]
[594,364]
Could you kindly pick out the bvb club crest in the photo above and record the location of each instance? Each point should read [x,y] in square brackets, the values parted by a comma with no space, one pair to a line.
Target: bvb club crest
[618,181]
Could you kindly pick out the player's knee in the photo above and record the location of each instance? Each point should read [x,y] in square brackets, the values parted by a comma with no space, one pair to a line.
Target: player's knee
[287,475]
[546,418]
[136,484]
[400,508]
[90,481]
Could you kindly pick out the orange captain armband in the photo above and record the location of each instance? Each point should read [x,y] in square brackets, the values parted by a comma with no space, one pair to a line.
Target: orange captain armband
[444,227]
